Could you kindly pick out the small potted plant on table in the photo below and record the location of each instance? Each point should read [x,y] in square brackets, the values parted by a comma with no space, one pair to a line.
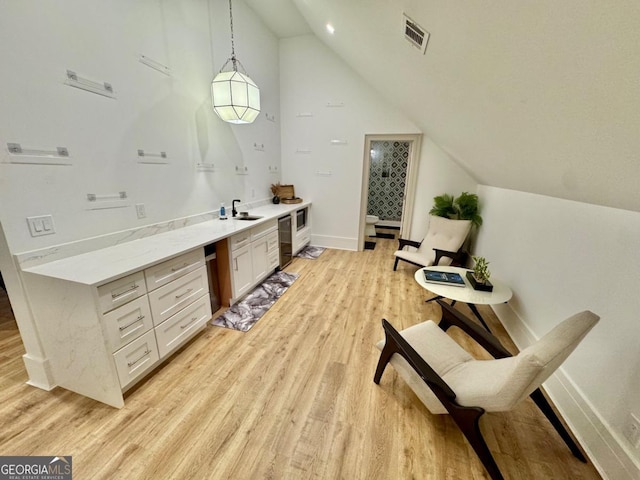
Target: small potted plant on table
[479,277]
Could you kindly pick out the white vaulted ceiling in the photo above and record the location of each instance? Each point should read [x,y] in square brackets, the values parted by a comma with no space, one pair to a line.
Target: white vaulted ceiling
[541,97]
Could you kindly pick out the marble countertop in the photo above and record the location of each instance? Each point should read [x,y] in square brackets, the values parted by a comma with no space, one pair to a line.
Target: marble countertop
[101,266]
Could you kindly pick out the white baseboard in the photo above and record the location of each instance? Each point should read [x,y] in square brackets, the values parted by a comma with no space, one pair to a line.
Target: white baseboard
[39,373]
[606,451]
[340,243]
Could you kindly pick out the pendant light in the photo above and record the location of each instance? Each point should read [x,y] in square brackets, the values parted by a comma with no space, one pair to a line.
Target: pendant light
[235,97]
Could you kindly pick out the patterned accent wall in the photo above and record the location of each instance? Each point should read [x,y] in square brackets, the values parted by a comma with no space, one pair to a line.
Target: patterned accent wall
[387,179]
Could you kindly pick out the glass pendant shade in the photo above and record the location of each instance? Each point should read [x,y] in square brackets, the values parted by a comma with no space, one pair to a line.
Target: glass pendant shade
[235,97]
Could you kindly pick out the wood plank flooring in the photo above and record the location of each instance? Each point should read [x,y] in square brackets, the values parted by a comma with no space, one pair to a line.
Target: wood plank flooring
[293,398]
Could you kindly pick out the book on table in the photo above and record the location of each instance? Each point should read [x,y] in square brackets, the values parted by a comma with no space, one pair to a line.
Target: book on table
[443,278]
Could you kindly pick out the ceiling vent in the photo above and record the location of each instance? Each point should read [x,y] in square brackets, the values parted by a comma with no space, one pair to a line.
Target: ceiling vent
[415,34]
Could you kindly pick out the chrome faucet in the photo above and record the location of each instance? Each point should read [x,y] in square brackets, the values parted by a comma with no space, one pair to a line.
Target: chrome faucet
[234,212]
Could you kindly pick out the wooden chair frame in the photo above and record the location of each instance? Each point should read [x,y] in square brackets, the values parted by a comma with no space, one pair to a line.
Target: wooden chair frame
[467,418]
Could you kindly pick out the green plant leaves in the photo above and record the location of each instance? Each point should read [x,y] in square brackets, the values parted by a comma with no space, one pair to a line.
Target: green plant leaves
[464,207]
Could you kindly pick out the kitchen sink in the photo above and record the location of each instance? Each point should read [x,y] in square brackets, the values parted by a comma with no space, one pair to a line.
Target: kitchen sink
[248,217]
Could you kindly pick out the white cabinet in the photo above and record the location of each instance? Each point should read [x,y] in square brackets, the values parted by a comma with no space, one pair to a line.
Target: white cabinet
[241,270]
[107,318]
[121,291]
[273,252]
[177,294]
[128,322]
[259,259]
[136,359]
[300,229]
[165,272]
[253,255]
[182,326]
[174,298]
[116,333]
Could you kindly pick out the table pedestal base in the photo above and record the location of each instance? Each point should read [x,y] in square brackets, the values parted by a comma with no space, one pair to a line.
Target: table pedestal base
[471,306]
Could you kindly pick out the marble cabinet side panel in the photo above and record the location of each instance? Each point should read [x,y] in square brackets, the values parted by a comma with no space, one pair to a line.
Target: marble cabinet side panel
[71,332]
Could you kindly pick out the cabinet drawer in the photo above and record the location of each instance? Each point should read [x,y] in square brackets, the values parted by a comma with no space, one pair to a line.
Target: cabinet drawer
[174,296]
[165,272]
[263,229]
[272,242]
[121,291]
[180,327]
[127,322]
[137,358]
[273,259]
[303,237]
[240,240]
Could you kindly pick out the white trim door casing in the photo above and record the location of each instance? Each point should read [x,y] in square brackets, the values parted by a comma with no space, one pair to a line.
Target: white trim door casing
[415,142]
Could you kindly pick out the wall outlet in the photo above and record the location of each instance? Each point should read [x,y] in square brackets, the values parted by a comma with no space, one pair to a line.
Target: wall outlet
[42,225]
[632,430]
[140,210]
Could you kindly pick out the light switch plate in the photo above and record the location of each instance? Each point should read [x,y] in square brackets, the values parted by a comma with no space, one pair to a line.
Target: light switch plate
[141,212]
[41,225]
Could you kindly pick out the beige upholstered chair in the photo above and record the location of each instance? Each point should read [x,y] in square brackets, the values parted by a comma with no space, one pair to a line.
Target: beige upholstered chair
[447,379]
[441,246]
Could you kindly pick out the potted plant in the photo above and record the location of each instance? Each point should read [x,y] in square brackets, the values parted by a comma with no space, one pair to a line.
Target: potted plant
[479,277]
[463,207]
[274,190]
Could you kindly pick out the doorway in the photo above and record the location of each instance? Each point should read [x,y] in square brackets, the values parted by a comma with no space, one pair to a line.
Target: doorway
[389,178]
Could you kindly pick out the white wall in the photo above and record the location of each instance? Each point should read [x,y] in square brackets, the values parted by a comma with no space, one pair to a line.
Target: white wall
[561,257]
[438,174]
[40,40]
[311,77]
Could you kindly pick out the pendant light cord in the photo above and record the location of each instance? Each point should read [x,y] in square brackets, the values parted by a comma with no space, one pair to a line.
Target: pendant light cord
[233,50]
[234,61]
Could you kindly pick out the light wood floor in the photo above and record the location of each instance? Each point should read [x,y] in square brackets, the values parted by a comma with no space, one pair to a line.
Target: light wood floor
[293,398]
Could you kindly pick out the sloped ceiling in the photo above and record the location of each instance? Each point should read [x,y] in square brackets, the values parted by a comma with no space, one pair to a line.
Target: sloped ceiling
[541,97]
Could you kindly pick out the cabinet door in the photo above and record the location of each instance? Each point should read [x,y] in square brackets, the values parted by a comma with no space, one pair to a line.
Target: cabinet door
[259,252]
[242,270]
[273,252]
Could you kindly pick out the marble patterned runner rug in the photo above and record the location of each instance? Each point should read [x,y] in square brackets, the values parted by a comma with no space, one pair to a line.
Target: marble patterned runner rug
[310,252]
[244,315]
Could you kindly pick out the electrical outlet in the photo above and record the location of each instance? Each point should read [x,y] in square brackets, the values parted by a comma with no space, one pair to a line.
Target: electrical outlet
[140,210]
[632,430]
[42,225]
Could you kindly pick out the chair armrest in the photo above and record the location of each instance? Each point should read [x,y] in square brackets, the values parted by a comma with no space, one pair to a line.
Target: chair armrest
[406,242]
[395,343]
[458,259]
[452,317]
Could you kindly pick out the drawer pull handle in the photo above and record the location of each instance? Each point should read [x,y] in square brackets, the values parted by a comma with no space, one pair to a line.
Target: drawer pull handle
[129,290]
[189,323]
[183,294]
[131,364]
[177,269]
[124,327]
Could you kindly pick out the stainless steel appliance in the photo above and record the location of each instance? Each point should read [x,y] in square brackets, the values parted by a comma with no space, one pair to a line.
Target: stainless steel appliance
[284,234]
[301,218]
[212,272]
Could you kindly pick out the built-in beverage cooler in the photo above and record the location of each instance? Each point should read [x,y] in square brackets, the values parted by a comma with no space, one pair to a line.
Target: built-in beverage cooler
[285,239]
